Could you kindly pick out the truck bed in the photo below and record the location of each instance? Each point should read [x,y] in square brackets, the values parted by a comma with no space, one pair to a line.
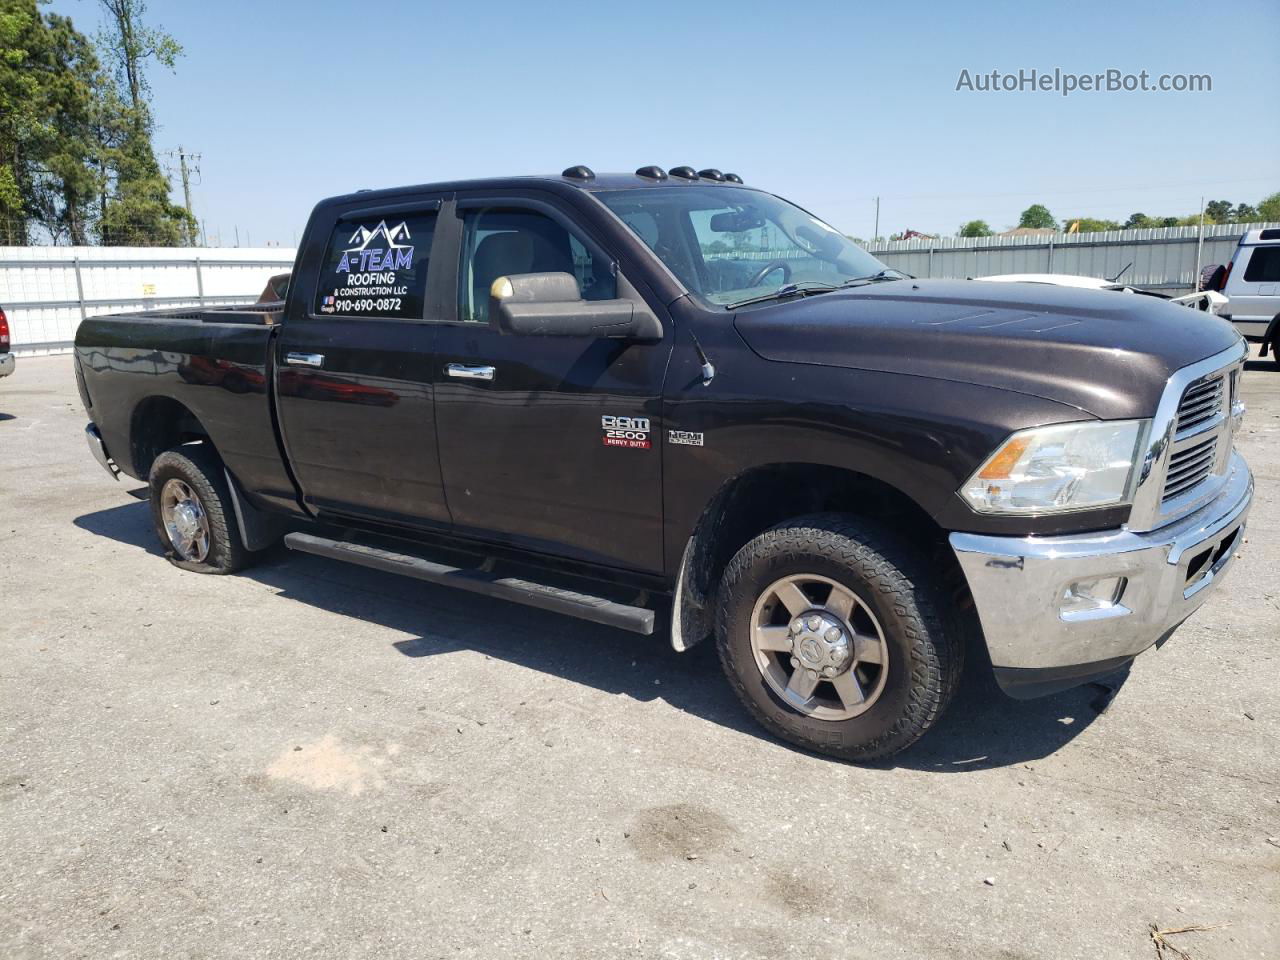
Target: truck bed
[214,361]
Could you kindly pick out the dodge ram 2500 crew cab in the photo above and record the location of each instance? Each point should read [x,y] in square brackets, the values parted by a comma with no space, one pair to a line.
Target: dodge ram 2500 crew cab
[672,398]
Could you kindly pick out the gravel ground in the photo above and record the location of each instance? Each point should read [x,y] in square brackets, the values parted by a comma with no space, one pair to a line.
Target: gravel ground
[314,760]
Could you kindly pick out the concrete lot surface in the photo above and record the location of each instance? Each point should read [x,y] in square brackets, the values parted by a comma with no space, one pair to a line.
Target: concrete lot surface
[314,760]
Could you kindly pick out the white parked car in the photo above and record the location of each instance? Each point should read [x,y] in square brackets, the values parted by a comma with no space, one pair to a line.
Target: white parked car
[1251,284]
[1206,300]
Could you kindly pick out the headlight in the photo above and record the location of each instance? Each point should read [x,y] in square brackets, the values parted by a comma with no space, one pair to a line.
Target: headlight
[1070,466]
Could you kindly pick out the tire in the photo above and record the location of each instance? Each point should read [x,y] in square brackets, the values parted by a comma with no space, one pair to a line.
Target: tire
[894,592]
[196,469]
[1211,277]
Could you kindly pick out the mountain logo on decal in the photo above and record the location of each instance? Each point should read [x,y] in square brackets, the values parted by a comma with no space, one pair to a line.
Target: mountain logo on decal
[396,237]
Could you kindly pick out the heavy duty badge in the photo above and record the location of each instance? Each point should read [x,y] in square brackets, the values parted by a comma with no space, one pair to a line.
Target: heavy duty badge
[630,432]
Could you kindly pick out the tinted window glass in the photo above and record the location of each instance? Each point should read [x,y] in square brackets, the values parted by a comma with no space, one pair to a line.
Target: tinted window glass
[377,267]
[1264,266]
[501,242]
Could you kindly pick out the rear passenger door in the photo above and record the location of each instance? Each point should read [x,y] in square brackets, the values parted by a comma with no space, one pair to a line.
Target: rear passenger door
[549,444]
[354,365]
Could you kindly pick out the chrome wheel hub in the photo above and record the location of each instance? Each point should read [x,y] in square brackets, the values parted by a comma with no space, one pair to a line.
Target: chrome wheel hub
[185,522]
[819,647]
[819,642]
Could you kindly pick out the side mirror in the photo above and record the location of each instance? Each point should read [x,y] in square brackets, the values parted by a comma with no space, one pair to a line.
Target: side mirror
[549,305]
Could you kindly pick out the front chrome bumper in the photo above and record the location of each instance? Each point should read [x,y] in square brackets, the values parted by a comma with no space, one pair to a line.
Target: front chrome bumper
[1019,585]
[6,364]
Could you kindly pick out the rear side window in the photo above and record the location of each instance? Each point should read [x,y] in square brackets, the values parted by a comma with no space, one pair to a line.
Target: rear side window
[376,267]
[1264,266]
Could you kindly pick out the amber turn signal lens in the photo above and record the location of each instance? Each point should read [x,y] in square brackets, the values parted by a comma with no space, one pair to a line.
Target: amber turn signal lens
[1002,464]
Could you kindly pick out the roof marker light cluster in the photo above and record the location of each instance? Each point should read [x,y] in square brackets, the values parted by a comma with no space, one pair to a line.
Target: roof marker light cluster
[654,172]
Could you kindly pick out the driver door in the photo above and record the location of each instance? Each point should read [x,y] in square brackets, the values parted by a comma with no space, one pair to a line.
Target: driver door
[530,427]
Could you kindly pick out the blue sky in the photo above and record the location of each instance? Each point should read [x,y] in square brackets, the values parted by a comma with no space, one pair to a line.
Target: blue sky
[828,104]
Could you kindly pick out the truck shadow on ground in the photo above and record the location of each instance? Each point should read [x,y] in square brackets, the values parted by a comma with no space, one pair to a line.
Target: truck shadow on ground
[982,728]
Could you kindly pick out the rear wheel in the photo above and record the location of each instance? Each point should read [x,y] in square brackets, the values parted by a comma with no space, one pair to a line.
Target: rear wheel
[830,630]
[192,511]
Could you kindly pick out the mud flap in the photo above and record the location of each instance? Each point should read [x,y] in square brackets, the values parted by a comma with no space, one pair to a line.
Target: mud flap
[690,616]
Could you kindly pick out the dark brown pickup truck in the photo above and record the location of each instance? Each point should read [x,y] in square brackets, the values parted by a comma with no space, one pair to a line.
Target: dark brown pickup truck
[672,399]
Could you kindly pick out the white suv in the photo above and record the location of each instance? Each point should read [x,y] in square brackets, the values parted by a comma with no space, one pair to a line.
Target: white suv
[1251,283]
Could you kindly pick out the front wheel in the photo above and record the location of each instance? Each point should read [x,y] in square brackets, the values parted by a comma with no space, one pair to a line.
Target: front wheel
[192,511]
[831,631]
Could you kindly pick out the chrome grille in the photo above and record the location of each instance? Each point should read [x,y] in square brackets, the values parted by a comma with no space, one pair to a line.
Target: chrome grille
[1190,467]
[1201,402]
[1188,459]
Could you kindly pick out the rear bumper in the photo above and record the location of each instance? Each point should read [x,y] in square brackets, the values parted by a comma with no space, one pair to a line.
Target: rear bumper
[6,364]
[99,450]
[1019,586]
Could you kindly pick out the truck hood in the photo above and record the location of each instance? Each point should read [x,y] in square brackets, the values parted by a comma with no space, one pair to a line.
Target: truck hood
[1101,351]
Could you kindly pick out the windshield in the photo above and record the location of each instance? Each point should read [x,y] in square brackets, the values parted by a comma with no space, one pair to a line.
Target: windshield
[730,244]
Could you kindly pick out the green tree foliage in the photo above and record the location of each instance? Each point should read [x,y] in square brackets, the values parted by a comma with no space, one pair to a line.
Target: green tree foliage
[1269,208]
[139,211]
[1037,215]
[76,160]
[20,116]
[975,228]
[1091,224]
[65,195]
[1217,211]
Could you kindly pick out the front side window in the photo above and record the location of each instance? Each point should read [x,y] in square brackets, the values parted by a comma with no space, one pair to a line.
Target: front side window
[376,267]
[731,243]
[503,241]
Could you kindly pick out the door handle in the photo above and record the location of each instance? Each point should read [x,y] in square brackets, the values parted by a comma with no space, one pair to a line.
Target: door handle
[469,373]
[304,359]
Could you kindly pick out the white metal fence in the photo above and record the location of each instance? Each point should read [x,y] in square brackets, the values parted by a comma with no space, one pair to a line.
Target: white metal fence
[47,291]
[1163,258]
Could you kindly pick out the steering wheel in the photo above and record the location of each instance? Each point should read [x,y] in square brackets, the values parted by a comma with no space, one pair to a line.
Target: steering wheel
[757,278]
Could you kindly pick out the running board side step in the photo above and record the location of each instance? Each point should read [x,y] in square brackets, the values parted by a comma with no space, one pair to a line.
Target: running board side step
[546,597]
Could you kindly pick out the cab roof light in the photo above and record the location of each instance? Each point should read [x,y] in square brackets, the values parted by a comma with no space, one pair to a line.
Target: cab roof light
[579,172]
[652,172]
[684,173]
[733,178]
[711,173]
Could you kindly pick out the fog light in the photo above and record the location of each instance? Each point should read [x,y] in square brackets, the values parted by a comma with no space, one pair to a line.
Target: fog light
[1093,598]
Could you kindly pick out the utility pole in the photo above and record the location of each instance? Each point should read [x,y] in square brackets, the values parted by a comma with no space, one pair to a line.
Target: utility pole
[188,163]
[875,236]
[1199,248]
